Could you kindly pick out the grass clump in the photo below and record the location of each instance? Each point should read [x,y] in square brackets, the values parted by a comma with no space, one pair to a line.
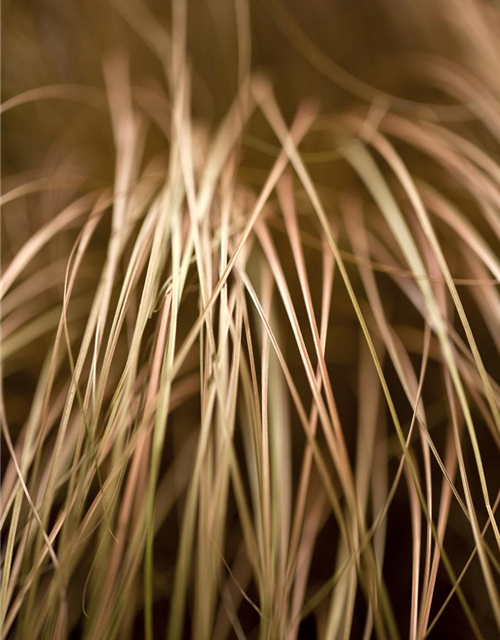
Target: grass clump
[251,321]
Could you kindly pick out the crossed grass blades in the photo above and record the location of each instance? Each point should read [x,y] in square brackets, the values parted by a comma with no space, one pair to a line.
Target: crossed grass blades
[251,364]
